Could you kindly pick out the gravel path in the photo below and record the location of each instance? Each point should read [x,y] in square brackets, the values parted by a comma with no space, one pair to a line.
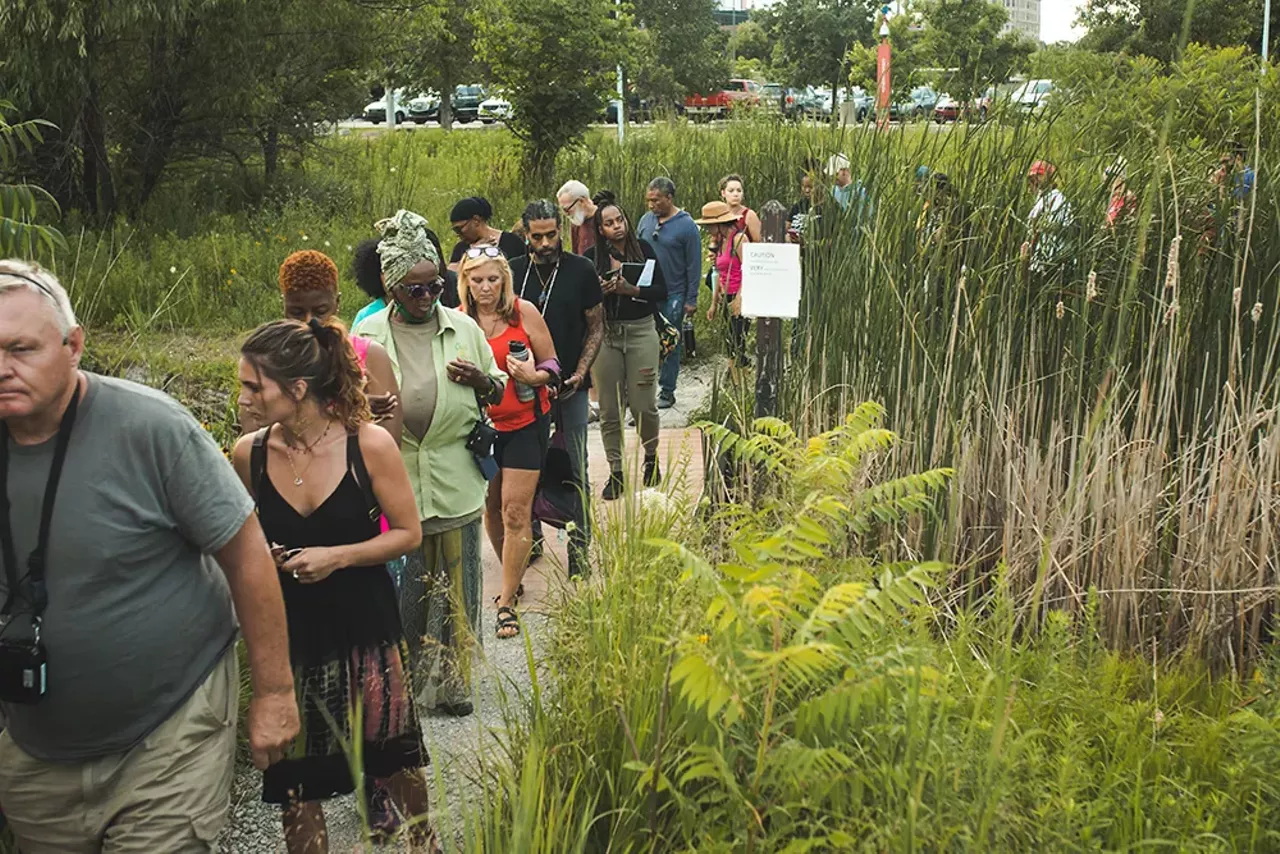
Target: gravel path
[254,827]
[454,743]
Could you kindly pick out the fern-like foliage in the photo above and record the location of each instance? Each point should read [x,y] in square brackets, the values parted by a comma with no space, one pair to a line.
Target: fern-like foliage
[795,633]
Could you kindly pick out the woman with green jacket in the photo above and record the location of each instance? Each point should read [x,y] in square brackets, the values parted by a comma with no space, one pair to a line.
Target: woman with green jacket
[445,371]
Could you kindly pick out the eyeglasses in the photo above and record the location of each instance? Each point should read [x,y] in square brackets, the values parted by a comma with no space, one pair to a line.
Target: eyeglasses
[433,288]
[487,251]
[568,209]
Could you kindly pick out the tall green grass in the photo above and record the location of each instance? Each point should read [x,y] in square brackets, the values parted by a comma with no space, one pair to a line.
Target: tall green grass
[745,679]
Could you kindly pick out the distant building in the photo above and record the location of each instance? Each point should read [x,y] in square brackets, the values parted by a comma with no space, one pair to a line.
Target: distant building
[1024,17]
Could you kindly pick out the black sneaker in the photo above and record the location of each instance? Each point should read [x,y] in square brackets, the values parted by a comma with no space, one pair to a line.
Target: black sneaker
[615,487]
[652,474]
[666,401]
[457,710]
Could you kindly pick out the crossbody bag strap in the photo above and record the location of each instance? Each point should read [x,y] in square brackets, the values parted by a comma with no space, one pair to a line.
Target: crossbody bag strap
[355,463]
[36,561]
[258,461]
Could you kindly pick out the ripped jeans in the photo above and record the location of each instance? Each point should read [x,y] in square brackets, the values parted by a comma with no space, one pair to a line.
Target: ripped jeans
[627,370]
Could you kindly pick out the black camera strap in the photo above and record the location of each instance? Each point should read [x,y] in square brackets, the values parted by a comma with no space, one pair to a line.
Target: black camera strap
[36,561]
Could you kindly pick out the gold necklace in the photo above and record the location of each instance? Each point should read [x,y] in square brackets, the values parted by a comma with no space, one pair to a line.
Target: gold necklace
[306,449]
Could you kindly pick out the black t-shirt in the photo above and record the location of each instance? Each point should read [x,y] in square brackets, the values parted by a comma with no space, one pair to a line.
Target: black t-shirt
[574,289]
[633,308]
[511,246]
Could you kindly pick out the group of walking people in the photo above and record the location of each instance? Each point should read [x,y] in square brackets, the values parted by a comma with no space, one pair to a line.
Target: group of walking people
[344,540]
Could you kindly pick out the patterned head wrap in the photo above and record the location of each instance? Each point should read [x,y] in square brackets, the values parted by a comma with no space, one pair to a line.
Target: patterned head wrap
[403,246]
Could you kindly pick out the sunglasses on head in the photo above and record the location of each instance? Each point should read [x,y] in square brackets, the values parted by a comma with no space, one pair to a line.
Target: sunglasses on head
[487,251]
[433,288]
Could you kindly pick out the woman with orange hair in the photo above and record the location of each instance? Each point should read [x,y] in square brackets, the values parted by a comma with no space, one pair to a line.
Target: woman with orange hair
[309,288]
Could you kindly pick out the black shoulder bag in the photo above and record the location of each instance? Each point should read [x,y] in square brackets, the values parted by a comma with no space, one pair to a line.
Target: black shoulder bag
[24,664]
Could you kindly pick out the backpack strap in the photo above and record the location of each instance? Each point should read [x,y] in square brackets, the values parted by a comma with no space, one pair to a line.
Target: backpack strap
[355,464]
[258,461]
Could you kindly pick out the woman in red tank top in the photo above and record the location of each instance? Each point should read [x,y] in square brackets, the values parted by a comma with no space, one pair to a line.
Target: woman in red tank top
[522,346]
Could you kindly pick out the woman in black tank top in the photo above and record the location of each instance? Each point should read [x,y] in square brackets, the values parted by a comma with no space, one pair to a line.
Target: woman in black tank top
[322,476]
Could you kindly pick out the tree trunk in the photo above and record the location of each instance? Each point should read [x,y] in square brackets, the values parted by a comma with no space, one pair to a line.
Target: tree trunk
[98,187]
[835,100]
[270,154]
[446,101]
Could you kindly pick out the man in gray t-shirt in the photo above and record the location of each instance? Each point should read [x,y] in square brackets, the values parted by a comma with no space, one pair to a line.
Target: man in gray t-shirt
[132,745]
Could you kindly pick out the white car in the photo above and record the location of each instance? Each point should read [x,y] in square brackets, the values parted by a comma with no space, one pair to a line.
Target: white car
[407,107]
[1032,96]
[495,109]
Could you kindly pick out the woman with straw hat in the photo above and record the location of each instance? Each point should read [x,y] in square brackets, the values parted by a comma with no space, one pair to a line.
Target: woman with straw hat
[727,239]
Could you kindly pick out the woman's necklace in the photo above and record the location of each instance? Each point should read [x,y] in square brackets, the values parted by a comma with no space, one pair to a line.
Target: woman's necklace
[305,449]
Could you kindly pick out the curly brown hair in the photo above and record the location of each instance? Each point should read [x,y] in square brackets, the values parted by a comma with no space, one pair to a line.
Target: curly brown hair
[286,351]
[308,270]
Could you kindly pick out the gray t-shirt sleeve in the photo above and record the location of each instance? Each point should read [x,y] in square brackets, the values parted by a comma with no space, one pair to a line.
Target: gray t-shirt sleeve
[205,495]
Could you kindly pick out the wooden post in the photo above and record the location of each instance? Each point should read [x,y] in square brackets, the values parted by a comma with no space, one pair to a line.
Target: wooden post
[773,221]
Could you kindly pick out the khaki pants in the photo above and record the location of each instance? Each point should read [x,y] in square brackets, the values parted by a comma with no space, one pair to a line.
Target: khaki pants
[628,366]
[168,794]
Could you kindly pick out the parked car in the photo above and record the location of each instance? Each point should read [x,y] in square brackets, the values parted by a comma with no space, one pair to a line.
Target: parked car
[465,104]
[638,110]
[949,109]
[494,109]
[773,97]
[719,104]
[1032,96]
[420,107]
[804,103]
[376,111]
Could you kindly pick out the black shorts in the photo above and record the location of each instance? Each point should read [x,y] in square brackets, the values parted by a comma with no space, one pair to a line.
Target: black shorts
[524,448]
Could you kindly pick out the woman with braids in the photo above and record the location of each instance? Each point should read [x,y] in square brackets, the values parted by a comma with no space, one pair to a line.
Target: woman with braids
[446,373]
[309,288]
[321,475]
[627,367]
[518,336]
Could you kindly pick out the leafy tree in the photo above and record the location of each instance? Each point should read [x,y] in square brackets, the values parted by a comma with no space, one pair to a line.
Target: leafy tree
[1155,27]
[135,86]
[555,60]
[963,39]
[20,235]
[750,41]
[905,74]
[678,49]
[815,37]
[438,51]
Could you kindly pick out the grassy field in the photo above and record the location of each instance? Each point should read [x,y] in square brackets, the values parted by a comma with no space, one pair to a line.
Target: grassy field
[1039,620]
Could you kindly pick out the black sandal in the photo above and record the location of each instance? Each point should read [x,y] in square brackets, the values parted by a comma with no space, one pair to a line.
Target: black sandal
[507,619]
[516,601]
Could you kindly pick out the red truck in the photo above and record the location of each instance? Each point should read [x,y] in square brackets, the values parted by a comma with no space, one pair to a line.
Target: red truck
[719,104]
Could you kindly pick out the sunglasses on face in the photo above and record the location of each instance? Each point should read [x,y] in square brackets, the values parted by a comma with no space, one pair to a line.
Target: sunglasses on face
[486,251]
[433,288]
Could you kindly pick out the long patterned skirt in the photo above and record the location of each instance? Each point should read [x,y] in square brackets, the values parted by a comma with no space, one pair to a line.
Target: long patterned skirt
[440,608]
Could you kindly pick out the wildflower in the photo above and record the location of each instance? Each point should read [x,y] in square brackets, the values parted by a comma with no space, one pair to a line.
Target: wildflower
[228,281]
[1256,314]
[233,271]
[704,638]
[1092,293]
[1060,310]
[326,243]
[393,168]
[257,243]
[350,247]
[305,238]
[173,269]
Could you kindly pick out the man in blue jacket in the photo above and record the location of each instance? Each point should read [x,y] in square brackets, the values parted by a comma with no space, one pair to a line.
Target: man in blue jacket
[678,244]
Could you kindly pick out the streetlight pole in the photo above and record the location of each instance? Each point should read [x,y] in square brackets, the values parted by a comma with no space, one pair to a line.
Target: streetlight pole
[622,124]
[1266,35]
